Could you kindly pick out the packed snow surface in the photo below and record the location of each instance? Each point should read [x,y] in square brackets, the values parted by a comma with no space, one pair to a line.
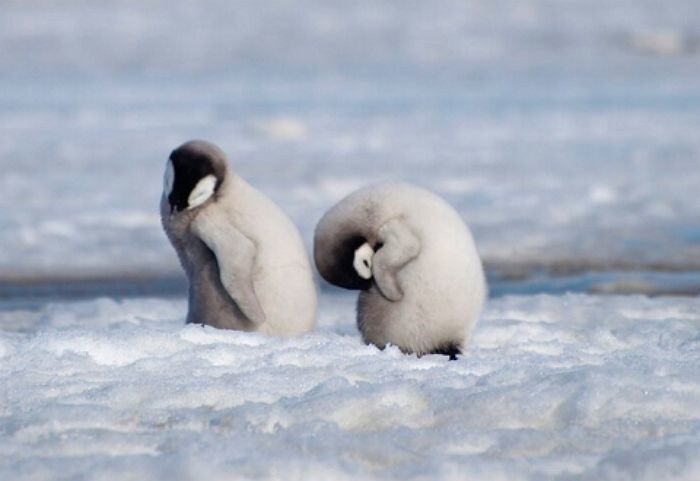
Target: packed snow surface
[570,387]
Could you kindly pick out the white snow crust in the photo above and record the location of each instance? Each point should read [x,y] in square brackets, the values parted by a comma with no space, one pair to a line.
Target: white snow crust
[569,387]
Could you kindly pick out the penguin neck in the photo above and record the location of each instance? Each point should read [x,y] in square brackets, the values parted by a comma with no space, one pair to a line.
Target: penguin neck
[230,183]
[234,188]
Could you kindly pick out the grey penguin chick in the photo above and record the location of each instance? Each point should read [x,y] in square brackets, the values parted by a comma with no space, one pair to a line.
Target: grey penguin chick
[245,261]
[421,281]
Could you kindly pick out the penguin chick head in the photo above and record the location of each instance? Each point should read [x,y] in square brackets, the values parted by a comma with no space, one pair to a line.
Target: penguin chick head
[193,174]
[344,260]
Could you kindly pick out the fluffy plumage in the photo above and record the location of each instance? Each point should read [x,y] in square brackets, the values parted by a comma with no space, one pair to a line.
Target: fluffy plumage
[245,261]
[426,289]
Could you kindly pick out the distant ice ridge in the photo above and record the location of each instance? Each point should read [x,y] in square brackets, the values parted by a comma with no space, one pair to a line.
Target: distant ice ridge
[553,387]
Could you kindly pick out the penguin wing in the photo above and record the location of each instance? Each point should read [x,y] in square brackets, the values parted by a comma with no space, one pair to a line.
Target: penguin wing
[235,255]
[399,247]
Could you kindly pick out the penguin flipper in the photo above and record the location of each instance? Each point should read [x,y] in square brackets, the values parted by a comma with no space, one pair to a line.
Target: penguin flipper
[399,247]
[235,255]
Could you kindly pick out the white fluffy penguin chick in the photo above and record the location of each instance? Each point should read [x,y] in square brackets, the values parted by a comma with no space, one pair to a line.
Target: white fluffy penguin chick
[244,258]
[413,258]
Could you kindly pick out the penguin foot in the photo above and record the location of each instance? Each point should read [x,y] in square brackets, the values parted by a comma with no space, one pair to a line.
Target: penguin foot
[451,350]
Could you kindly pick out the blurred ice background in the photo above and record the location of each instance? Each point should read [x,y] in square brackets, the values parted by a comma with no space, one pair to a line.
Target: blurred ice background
[567,133]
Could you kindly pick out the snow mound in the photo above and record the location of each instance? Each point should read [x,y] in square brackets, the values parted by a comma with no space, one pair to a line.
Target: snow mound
[569,387]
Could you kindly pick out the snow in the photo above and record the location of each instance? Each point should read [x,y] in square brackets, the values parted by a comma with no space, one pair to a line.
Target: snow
[569,387]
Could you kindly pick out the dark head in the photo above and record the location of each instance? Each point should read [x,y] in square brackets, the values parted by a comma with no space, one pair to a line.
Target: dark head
[344,261]
[193,174]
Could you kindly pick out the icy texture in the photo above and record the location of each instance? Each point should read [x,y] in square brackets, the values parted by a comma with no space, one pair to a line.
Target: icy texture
[565,132]
[566,388]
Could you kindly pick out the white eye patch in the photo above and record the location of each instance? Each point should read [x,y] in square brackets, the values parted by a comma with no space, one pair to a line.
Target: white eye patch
[201,192]
[363,261]
[168,178]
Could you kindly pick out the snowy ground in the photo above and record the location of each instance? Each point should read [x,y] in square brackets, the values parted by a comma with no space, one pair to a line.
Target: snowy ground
[568,388]
[566,133]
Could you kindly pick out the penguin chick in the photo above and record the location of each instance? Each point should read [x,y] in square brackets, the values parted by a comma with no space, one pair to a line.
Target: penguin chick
[244,259]
[414,261]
